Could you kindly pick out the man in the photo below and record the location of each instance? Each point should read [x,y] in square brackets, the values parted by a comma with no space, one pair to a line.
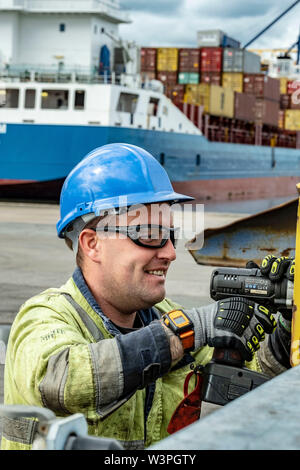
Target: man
[100,344]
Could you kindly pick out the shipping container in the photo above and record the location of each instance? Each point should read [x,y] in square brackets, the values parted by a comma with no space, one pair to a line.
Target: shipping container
[292,86]
[244,106]
[167,78]
[216,100]
[148,59]
[216,38]
[175,93]
[184,78]
[262,86]
[211,59]
[292,120]
[167,59]
[285,101]
[198,95]
[283,85]
[295,100]
[189,60]
[221,102]
[233,80]
[281,114]
[266,112]
[230,42]
[240,60]
[213,78]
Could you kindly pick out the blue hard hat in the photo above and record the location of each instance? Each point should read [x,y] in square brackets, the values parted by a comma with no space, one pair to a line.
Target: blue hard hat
[108,174]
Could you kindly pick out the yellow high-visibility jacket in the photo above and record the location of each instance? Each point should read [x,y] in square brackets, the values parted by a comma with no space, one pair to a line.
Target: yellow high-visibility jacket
[61,356]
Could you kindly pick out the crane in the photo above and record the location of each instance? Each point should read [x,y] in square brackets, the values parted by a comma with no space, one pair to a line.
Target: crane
[297,43]
[272,23]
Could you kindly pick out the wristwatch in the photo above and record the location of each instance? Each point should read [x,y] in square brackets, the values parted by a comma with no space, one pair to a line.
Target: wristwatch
[182,326]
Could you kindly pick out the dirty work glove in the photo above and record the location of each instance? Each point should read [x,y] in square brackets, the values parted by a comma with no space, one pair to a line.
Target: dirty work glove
[277,270]
[234,323]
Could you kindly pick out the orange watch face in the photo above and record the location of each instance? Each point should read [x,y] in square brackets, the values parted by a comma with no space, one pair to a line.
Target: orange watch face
[179,318]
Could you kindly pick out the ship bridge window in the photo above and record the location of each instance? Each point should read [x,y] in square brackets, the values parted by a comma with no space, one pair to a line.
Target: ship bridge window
[79,99]
[30,99]
[153,106]
[127,103]
[9,98]
[55,99]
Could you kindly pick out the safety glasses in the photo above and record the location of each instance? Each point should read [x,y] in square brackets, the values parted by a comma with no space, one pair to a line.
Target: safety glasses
[146,235]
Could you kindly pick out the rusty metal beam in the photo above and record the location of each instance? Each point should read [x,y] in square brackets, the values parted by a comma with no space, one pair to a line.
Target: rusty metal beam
[269,232]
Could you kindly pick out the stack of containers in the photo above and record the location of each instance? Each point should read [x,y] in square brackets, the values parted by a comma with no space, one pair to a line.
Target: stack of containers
[236,63]
[189,66]
[267,93]
[167,65]
[217,61]
[211,65]
[167,71]
[148,63]
[289,117]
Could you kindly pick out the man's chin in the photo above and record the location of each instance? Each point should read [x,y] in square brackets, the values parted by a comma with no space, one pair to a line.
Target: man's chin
[155,299]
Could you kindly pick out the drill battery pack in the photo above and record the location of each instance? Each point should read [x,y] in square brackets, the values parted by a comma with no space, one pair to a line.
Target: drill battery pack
[223,384]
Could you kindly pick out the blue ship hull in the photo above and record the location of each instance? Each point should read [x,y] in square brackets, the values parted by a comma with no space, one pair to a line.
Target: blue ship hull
[42,155]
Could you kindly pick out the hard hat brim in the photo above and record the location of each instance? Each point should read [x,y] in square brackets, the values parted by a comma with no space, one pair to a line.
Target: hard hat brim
[98,206]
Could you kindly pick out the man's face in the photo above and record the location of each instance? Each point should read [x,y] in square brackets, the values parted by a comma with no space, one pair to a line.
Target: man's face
[133,277]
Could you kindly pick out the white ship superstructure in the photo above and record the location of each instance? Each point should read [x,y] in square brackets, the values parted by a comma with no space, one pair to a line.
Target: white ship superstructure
[58,33]
[52,53]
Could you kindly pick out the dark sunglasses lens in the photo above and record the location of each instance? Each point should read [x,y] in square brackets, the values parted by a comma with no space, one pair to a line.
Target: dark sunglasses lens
[153,236]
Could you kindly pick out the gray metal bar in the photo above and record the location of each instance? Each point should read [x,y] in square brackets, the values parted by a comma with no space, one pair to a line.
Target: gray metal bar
[265,419]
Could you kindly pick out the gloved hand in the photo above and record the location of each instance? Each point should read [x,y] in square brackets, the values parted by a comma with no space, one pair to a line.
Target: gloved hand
[276,269]
[234,323]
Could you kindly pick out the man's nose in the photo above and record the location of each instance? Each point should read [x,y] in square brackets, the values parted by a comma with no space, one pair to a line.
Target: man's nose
[168,251]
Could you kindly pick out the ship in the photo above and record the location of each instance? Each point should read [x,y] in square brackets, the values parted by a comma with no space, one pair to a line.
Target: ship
[69,84]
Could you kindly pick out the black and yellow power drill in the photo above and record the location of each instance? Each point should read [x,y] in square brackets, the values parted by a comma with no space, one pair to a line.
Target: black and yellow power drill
[225,377]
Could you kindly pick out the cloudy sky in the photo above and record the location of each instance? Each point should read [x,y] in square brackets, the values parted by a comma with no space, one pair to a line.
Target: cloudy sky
[176,22]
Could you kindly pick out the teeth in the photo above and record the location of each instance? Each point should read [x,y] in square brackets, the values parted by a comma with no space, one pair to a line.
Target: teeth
[157,273]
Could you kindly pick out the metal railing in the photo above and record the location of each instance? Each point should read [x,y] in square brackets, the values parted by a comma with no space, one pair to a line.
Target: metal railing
[53,74]
[109,8]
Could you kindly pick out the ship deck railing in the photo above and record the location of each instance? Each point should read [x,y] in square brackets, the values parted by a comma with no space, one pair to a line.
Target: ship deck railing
[51,76]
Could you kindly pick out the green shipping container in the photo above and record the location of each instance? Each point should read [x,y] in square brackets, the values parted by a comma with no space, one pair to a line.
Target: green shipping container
[186,78]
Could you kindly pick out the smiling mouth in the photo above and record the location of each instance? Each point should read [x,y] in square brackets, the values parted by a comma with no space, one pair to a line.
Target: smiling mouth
[157,272]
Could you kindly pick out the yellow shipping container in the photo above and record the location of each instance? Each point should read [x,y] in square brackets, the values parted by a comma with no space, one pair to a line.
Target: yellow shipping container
[167,59]
[221,101]
[292,119]
[216,100]
[198,95]
[233,80]
[283,85]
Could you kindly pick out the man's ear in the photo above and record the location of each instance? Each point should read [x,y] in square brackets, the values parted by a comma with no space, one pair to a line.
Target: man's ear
[90,244]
